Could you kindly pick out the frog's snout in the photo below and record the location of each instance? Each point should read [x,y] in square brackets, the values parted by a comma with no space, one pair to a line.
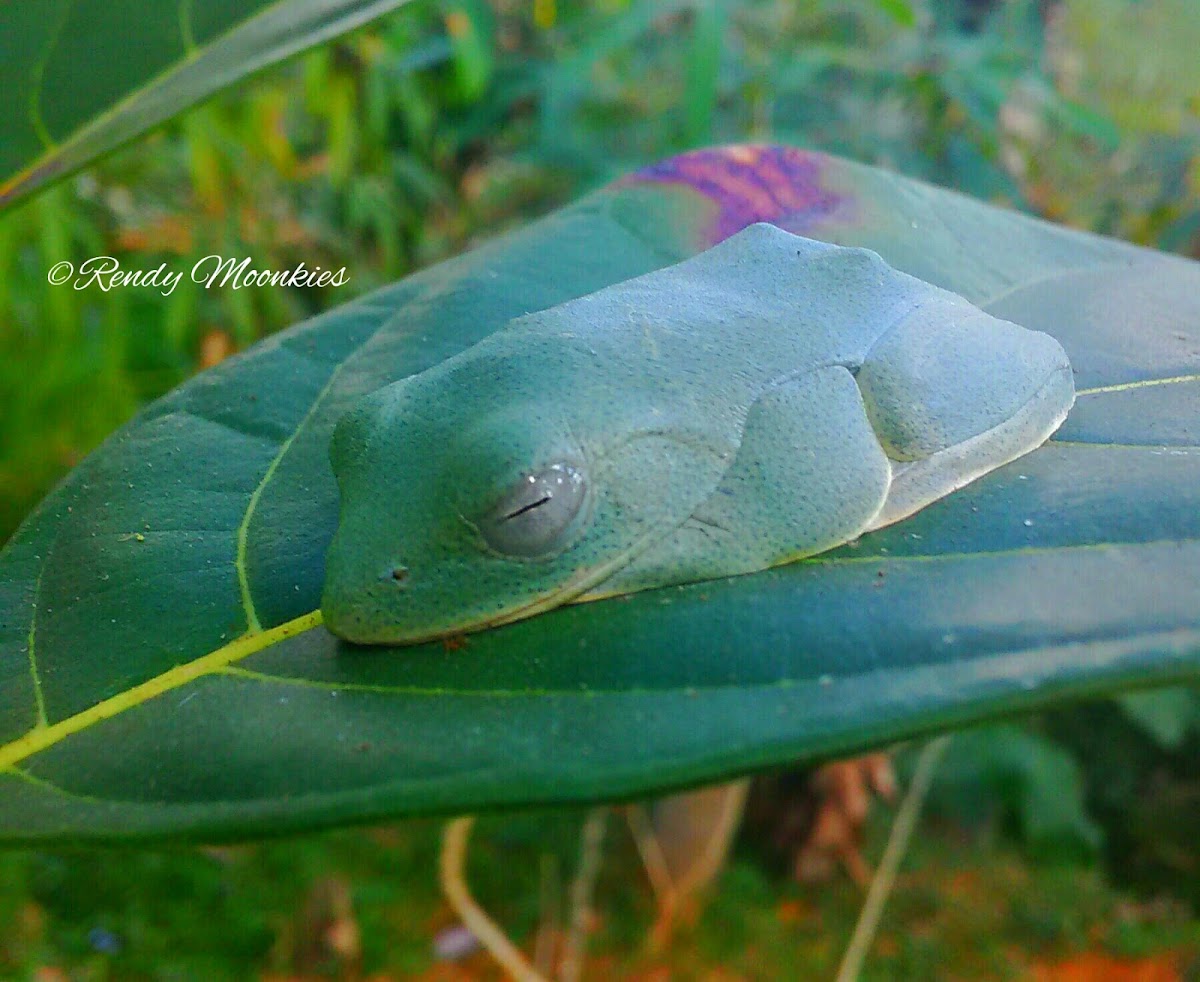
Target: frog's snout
[360,591]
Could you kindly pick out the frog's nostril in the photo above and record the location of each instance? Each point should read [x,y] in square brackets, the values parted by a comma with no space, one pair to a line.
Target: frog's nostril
[400,574]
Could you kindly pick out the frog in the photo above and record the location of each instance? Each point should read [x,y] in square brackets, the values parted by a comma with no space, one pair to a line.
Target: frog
[758,403]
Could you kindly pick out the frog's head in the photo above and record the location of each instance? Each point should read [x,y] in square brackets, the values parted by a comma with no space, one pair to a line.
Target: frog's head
[471,496]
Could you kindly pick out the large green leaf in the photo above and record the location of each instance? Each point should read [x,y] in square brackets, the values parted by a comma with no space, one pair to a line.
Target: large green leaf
[162,670]
[80,77]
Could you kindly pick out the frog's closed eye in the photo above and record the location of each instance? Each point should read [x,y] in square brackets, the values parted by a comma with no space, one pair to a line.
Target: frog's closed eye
[536,516]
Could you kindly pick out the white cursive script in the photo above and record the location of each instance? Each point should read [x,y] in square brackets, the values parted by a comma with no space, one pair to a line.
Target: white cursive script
[106,273]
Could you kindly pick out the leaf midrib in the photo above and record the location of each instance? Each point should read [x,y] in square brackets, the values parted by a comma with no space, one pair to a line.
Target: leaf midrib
[41,737]
[1141,384]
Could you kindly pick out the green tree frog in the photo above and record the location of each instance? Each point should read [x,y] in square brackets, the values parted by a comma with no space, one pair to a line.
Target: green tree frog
[762,401]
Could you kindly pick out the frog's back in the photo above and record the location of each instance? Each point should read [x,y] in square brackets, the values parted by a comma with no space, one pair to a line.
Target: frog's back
[762,305]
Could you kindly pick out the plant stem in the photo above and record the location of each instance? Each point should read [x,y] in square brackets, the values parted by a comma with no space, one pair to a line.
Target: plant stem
[889,865]
[452,868]
[653,860]
[591,840]
[545,946]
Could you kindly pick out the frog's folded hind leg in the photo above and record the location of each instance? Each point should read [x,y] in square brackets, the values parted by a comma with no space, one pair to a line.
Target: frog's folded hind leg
[953,393]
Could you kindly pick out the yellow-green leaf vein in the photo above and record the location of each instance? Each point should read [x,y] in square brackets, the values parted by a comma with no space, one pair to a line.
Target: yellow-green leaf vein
[38,739]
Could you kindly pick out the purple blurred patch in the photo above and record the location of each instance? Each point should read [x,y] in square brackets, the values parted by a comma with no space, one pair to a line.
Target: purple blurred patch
[455,943]
[751,183]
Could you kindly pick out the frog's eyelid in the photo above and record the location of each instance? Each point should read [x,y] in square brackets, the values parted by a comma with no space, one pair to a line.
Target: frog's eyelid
[529,507]
[552,498]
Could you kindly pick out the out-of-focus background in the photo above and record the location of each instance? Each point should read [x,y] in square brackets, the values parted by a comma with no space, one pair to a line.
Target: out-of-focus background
[1064,847]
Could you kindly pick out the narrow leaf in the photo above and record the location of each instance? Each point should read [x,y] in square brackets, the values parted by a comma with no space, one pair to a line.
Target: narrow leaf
[80,77]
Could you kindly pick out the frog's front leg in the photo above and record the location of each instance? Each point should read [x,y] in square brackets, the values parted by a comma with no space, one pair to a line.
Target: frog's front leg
[953,393]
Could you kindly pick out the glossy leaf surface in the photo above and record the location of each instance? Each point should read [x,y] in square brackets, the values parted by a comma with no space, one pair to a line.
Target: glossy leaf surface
[80,77]
[162,670]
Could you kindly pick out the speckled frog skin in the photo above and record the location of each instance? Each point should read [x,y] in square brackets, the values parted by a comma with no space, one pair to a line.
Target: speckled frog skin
[763,401]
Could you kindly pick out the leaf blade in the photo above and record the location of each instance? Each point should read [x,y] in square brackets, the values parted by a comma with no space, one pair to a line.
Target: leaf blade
[1048,579]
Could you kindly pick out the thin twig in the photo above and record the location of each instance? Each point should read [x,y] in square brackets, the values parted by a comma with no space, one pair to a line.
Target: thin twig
[454,885]
[545,947]
[889,865]
[591,840]
[648,847]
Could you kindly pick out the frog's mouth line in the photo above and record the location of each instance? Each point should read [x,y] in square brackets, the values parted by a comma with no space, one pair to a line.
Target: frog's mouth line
[578,584]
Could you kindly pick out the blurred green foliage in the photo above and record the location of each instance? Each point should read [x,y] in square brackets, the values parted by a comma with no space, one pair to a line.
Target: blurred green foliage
[446,122]
[1028,782]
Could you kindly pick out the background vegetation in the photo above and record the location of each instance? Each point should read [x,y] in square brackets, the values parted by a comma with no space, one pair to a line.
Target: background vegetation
[444,124]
